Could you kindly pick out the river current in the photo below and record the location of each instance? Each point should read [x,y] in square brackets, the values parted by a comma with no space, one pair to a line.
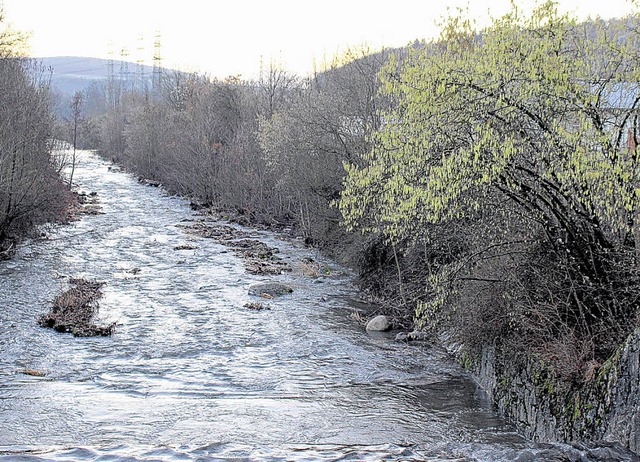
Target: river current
[191,374]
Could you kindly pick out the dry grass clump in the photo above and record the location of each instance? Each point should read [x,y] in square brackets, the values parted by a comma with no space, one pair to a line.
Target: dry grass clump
[74,310]
[32,372]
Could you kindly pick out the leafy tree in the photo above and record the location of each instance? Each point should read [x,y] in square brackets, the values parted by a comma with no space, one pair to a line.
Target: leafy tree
[12,43]
[514,126]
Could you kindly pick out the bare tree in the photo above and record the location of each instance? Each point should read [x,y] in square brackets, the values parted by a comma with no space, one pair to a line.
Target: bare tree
[328,122]
[75,122]
[274,89]
[31,191]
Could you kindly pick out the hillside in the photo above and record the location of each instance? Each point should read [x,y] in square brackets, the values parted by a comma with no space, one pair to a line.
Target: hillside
[73,73]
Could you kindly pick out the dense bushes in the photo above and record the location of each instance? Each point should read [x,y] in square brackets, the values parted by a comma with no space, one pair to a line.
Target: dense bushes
[271,150]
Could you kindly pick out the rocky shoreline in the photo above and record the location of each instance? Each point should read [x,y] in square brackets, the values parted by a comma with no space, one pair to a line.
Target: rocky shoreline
[259,258]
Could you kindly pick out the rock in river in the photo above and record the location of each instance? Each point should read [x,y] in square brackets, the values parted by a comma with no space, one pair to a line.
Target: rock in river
[379,324]
[270,289]
[414,336]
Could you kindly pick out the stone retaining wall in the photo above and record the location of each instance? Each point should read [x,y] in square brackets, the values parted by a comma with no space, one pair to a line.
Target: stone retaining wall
[606,408]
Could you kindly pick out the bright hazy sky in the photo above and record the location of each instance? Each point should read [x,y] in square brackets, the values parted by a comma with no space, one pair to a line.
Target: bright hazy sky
[229,37]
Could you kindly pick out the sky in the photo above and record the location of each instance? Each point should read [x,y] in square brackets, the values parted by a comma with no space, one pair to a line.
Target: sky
[232,37]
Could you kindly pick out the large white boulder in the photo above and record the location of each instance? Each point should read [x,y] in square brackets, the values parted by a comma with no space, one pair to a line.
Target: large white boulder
[379,324]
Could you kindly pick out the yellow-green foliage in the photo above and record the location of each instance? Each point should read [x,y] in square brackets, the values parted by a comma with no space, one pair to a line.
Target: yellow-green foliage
[524,108]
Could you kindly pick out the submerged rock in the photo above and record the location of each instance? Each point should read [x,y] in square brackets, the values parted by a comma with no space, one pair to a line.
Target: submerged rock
[256,306]
[379,324]
[270,289]
[212,231]
[264,268]
[413,336]
[185,247]
[260,258]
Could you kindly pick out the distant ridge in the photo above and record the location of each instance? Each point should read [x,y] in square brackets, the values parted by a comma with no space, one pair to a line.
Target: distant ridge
[73,73]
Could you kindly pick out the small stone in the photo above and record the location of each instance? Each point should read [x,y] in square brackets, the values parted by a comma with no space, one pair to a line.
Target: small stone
[417,336]
[402,337]
[272,289]
[379,324]
[256,306]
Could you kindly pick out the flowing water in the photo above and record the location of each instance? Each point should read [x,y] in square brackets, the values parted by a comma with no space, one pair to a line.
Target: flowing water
[191,374]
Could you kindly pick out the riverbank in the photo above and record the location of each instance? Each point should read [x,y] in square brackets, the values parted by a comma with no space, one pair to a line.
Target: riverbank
[71,205]
[604,407]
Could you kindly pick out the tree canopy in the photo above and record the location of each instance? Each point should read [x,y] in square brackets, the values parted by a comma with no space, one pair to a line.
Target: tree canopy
[526,106]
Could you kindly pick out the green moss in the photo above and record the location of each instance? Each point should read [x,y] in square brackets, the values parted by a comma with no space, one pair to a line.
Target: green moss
[536,377]
[468,361]
[577,413]
[606,373]
[550,387]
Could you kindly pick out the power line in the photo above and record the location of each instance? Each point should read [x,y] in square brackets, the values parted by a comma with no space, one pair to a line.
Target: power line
[157,63]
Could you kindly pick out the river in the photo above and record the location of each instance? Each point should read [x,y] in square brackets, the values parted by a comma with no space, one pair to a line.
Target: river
[191,374]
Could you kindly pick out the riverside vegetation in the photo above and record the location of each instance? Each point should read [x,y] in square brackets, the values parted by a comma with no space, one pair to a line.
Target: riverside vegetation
[485,185]
[32,191]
